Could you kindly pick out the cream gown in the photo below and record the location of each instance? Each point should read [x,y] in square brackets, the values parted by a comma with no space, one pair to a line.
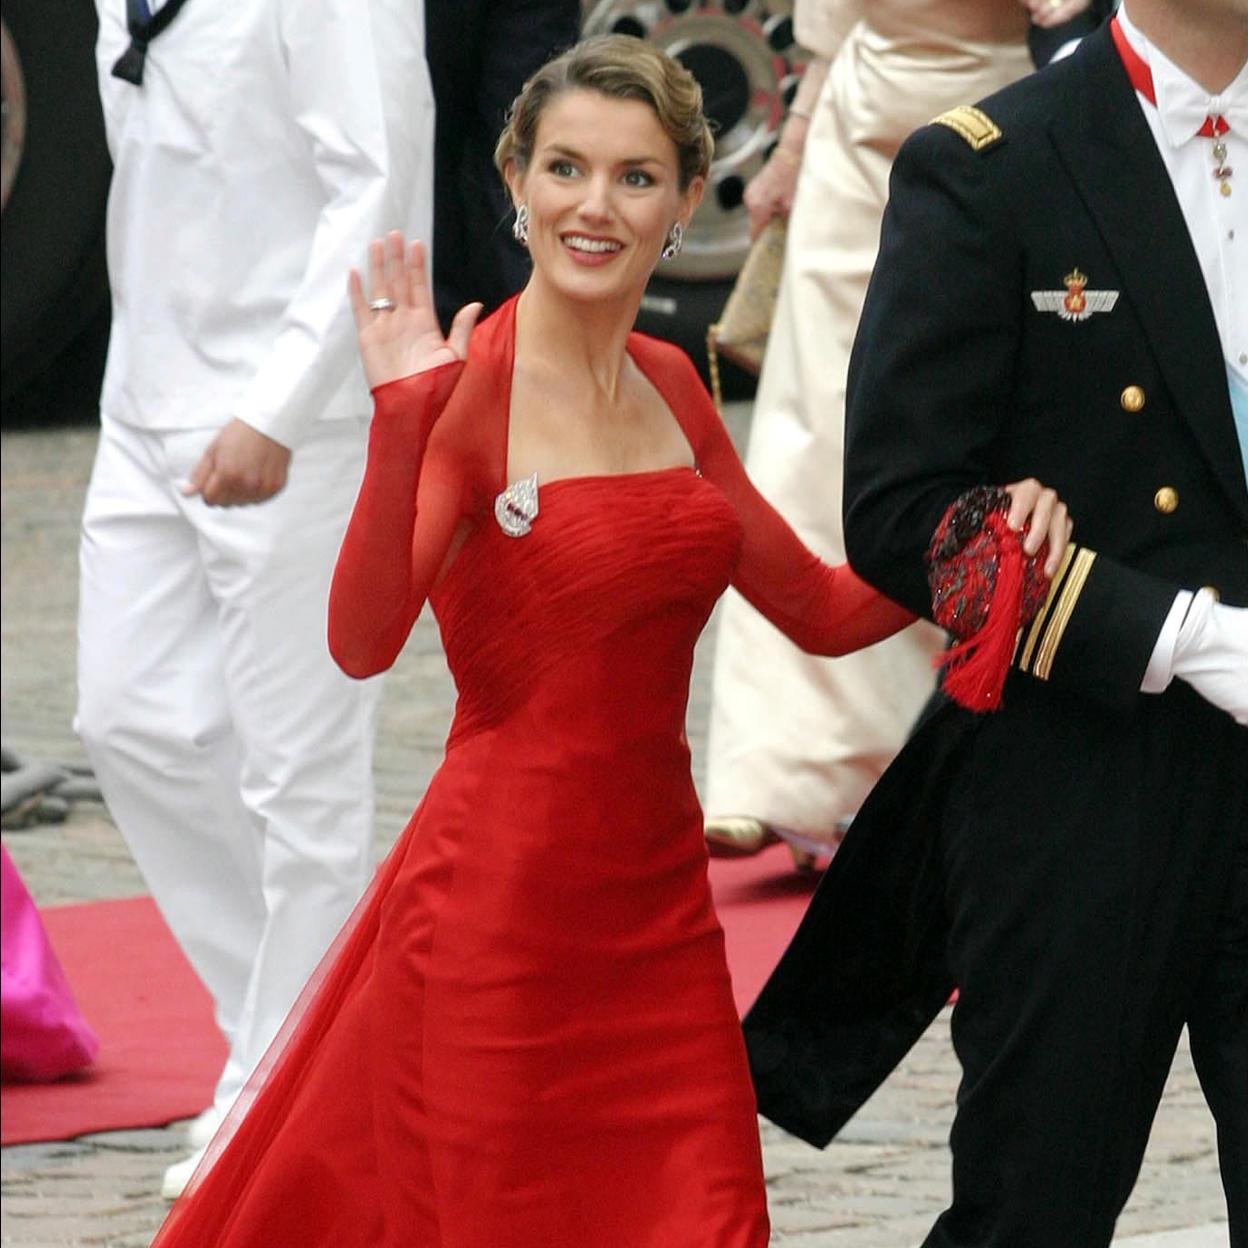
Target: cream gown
[799,741]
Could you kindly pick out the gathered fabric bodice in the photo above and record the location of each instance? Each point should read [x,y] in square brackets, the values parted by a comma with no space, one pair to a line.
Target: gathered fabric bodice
[627,565]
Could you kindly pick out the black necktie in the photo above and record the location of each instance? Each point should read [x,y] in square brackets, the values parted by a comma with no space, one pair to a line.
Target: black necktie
[143,26]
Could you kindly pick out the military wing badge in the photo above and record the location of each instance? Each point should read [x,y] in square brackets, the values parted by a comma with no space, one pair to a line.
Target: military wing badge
[1076,302]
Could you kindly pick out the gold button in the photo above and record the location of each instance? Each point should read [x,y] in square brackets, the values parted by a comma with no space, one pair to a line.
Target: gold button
[1166,500]
[1132,399]
[1213,589]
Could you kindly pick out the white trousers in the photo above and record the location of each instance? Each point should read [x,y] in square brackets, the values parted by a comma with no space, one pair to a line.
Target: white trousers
[233,754]
[795,740]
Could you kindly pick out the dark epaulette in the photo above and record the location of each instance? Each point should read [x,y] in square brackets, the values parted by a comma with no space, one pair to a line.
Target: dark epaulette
[974,125]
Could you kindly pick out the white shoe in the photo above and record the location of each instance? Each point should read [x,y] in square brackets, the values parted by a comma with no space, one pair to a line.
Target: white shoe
[203,1127]
[179,1174]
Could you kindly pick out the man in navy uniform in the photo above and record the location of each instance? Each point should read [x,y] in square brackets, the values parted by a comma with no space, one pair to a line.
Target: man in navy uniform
[1061,292]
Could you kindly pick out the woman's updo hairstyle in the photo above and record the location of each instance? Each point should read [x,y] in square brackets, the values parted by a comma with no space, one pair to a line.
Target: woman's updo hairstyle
[621,68]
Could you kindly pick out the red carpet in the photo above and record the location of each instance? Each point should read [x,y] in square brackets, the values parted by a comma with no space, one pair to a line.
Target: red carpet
[760,901]
[160,1052]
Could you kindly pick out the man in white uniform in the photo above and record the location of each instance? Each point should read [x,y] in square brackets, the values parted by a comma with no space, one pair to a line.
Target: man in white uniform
[257,147]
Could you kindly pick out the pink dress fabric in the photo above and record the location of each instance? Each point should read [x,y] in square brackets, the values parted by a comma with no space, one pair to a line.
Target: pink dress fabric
[44,1035]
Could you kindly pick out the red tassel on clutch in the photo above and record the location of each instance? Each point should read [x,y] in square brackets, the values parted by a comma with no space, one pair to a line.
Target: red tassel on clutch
[983,591]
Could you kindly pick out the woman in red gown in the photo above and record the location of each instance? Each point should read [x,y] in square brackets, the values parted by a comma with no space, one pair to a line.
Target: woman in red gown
[526,1034]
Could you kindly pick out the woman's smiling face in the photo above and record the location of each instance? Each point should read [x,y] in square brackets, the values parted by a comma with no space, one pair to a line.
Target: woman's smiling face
[603,190]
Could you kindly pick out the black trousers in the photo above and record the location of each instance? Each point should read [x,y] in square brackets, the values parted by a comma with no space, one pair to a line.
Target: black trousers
[1096,887]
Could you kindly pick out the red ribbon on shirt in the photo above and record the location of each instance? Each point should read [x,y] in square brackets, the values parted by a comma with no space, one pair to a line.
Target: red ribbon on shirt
[1141,77]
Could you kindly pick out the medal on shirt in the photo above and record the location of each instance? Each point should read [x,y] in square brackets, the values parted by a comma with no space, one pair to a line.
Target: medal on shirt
[1222,171]
[1215,126]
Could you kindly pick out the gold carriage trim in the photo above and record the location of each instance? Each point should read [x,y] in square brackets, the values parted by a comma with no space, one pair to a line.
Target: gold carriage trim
[972,124]
[1065,608]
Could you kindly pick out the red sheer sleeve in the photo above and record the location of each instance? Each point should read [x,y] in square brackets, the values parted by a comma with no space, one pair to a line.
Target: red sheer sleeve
[823,609]
[413,497]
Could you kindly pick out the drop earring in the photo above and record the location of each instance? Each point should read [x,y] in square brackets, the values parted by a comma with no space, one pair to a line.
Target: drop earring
[674,242]
[520,226]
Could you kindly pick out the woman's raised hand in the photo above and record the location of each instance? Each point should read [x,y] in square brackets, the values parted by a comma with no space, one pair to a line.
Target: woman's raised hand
[397,323]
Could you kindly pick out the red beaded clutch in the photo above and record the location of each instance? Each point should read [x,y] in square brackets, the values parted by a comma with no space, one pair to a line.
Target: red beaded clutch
[984,590]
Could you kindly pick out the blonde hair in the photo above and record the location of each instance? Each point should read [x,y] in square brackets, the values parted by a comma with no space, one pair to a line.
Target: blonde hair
[621,68]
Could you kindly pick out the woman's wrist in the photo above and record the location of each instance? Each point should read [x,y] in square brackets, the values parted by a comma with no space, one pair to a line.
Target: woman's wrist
[415,398]
[806,98]
[427,373]
[793,132]
[792,141]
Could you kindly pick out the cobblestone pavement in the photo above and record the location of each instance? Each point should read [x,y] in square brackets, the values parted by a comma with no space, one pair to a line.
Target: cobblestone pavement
[879,1185]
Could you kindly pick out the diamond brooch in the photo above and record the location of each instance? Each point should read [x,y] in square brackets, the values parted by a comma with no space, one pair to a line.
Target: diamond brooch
[515,508]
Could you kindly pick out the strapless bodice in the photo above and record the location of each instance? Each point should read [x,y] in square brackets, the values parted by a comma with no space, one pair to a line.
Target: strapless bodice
[612,584]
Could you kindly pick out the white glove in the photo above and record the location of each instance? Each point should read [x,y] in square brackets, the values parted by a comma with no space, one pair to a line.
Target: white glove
[1211,654]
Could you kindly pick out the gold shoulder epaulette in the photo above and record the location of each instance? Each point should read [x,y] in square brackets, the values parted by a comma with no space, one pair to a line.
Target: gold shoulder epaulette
[973,124]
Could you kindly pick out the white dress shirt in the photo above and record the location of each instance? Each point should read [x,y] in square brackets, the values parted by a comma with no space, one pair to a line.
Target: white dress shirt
[268,142]
[1217,223]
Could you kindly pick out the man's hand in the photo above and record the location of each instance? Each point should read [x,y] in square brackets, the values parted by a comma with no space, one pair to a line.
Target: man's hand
[240,465]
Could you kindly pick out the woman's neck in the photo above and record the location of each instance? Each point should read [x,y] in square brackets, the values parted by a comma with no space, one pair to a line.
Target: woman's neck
[572,338]
[1206,39]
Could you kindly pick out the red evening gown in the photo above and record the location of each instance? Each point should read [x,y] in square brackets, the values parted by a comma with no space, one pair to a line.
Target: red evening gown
[526,1033]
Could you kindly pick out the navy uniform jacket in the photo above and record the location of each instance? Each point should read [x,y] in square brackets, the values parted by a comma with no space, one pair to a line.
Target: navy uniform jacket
[964,373]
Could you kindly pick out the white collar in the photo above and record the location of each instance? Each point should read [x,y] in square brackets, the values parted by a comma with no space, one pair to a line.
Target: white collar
[1182,103]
